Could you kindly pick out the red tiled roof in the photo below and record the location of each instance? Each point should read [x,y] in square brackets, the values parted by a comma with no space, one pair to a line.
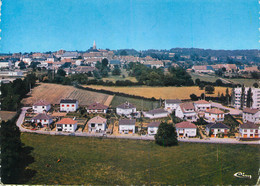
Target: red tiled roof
[215,111]
[186,106]
[201,102]
[250,111]
[41,103]
[97,119]
[97,106]
[185,124]
[67,121]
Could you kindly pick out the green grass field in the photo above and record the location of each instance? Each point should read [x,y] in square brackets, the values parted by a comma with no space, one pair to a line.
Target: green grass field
[213,78]
[145,104]
[124,162]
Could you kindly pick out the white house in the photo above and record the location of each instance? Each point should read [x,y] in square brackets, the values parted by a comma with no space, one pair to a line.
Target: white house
[153,127]
[42,118]
[251,115]
[5,64]
[97,108]
[66,125]
[68,105]
[202,105]
[125,109]
[186,111]
[97,124]
[186,129]
[156,113]
[249,130]
[216,128]
[127,126]
[41,106]
[214,115]
[171,104]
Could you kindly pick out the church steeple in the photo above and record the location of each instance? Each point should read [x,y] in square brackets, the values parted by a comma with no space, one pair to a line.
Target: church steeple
[94,45]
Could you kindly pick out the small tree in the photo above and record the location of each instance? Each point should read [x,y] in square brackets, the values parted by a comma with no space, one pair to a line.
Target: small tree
[249,98]
[61,72]
[166,135]
[209,89]
[197,81]
[201,86]
[255,85]
[193,97]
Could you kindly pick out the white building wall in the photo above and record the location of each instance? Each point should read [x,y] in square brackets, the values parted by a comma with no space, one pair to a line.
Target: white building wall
[153,116]
[126,128]
[189,132]
[152,130]
[121,111]
[68,107]
[202,107]
[41,109]
[255,97]
[214,117]
[171,106]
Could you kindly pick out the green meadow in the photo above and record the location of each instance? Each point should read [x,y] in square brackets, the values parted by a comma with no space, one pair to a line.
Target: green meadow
[119,162]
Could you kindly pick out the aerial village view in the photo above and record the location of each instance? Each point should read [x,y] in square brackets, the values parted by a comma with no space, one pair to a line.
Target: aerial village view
[129,92]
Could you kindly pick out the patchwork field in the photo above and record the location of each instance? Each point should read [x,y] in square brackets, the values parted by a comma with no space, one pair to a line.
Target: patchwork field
[93,161]
[54,92]
[161,92]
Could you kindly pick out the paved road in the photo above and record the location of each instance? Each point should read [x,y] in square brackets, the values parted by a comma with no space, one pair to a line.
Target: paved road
[232,111]
[128,136]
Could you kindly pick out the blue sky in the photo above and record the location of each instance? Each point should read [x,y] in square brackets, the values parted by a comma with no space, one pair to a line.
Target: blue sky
[50,25]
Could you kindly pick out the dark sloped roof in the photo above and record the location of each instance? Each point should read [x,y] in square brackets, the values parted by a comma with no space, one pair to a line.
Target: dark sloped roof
[127,122]
[249,125]
[68,101]
[154,124]
[217,126]
[156,111]
[42,116]
[250,111]
[172,101]
[41,103]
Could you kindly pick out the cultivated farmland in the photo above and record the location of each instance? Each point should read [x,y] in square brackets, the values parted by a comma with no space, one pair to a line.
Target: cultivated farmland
[93,161]
[53,93]
[161,92]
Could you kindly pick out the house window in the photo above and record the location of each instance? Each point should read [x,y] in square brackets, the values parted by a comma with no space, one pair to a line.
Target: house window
[256,131]
[62,105]
[245,130]
[73,105]
[65,125]
[68,105]
[42,106]
[92,124]
[251,130]
[99,125]
[70,125]
[45,120]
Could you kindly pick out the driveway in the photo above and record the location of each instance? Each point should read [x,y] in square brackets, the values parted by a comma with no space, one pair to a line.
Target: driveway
[232,111]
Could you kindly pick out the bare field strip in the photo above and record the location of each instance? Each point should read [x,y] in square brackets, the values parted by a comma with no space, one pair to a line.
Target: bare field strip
[6,115]
[161,92]
[53,93]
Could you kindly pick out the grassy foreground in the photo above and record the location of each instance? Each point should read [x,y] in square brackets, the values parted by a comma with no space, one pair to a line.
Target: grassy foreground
[111,161]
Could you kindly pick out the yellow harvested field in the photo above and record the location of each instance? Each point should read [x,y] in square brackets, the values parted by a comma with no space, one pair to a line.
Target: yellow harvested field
[161,92]
[53,93]
[6,115]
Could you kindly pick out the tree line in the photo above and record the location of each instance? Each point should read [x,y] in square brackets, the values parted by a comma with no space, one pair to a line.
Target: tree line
[14,92]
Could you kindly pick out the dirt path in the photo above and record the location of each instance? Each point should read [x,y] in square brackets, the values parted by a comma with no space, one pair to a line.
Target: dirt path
[109,100]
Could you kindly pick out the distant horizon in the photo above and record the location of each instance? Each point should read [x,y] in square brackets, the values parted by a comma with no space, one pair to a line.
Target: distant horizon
[40,26]
[128,49]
